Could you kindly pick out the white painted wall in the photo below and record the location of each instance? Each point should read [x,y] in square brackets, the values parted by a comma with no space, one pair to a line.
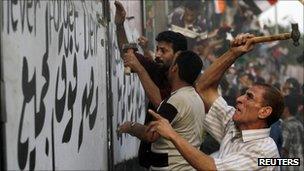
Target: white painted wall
[128,94]
[53,50]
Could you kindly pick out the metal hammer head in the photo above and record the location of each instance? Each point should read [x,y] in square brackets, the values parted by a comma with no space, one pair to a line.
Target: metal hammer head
[295,34]
[127,46]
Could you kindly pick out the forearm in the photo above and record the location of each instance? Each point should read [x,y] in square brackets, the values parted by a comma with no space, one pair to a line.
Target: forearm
[149,86]
[121,37]
[213,74]
[207,84]
[148,54]
[196,158]
[139,131]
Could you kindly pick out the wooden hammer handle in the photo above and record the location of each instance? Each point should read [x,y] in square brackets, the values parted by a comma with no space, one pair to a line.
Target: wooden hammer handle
[261,39]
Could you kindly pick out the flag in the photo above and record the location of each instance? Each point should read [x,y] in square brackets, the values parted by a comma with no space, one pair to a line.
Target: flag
[259,6]
[220,6]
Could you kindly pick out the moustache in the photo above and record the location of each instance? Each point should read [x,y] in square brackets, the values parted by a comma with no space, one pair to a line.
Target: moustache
[158,60]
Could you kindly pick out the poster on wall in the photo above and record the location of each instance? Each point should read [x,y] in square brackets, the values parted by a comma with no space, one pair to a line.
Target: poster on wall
[128,94]
[53,55]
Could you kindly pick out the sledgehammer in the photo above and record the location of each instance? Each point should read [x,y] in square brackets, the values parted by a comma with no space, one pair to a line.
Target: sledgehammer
[294,35]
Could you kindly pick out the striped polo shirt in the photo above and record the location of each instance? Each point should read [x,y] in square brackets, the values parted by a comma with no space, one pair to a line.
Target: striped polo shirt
[239,150]
[185,111]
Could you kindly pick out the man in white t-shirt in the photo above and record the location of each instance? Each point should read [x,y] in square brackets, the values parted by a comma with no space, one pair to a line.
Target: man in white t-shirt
[183,109]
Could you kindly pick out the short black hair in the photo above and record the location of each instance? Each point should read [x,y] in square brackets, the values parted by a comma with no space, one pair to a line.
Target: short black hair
[179,41]
[193,5]
[189,66]
[295,85]
[272,97]
[291,103]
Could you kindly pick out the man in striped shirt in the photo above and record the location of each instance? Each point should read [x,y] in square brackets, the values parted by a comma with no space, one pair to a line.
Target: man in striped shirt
[243,131]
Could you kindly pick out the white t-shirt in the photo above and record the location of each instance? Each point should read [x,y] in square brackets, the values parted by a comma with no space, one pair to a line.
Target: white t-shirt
[185,111]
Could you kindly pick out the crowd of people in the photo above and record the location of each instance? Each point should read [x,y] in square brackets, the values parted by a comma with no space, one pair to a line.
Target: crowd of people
[245,117]
[238,19]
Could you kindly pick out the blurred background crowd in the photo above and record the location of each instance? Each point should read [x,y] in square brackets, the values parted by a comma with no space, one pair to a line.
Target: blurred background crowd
[209,25]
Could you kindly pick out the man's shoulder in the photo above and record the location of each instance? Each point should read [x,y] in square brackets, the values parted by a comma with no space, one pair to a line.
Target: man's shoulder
[184,94]
[176,99]
[266,146]
[185,97]
[292,124]
[221,104]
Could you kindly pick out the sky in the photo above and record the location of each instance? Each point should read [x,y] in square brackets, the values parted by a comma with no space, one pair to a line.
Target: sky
[288,11]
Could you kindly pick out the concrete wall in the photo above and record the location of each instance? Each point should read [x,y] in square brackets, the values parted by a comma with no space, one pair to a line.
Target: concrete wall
[128,94]
[59,58]
[54,73]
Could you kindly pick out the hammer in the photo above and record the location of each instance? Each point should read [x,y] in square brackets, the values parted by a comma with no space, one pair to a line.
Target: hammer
[125,48]
[294,35]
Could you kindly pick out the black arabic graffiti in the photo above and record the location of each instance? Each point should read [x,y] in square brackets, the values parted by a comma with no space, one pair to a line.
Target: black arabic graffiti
[28,89]
[130,98]
[64,23]
[129,91]
[27,9]
[39,116]
[86,104]
[71,100]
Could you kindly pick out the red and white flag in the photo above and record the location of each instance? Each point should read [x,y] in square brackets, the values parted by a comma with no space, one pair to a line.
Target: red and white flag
[259,6]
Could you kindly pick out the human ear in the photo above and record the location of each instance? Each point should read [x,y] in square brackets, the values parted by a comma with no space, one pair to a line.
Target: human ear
[264,112]
[175,68]
[177,54]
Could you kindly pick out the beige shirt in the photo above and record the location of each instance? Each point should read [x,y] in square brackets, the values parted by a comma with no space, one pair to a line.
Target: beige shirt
[187,121]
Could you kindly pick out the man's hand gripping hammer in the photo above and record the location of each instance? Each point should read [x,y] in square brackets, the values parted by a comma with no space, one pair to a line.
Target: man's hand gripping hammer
[125,48]
[294,35]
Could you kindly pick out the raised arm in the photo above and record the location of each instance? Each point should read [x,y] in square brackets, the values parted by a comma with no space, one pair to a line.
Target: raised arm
[152,91]
[120,16]
[144,43]
[208,82]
